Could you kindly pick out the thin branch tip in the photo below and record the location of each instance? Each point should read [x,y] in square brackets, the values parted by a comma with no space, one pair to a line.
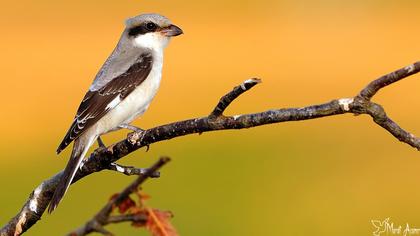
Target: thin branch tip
[228,98]
[165,159]
[250,82]
[373,87]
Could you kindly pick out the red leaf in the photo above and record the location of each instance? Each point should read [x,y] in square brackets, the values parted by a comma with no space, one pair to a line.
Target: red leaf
[158,223]
[141,213]
[112,198]
[126,204]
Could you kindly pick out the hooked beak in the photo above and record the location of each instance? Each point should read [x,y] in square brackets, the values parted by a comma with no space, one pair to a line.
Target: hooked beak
[172,30]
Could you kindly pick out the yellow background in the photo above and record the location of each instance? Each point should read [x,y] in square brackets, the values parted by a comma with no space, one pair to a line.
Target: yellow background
[328,176]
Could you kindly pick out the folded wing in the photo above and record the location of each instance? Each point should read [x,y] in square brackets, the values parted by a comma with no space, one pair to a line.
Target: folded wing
[96,104]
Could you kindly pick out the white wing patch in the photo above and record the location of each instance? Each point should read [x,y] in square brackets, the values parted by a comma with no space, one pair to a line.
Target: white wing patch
[113,103]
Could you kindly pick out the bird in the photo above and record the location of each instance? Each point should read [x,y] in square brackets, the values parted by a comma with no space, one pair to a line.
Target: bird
[121,91]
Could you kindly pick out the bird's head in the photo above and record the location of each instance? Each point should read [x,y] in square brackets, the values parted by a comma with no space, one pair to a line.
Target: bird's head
[151,31]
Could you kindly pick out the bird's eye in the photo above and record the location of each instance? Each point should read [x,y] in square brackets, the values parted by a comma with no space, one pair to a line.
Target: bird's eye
[151,26]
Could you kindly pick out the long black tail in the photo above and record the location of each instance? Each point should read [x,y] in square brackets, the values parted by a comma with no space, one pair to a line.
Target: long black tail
[79,151]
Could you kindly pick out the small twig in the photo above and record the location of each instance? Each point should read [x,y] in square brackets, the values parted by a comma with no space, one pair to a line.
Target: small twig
[225,101]
[103,217]
[100,229]
[131,170]
[139,217]
[373,87]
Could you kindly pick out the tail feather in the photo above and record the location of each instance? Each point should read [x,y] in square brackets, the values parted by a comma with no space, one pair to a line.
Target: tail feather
[80,148]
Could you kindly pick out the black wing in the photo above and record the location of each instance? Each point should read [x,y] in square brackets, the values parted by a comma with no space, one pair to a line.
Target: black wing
[95,103]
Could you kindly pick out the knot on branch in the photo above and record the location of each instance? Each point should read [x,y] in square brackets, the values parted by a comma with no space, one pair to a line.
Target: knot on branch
[345,103]
[377,112]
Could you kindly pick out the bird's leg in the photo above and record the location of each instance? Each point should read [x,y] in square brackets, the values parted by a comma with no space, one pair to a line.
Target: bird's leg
[131,127]
[100,142]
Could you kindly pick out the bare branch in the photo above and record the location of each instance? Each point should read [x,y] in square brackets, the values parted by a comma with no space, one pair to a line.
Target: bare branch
[101,158]
[103,217]
[372,88]
[379,117]
[225,101]
[140,217]
[131,170]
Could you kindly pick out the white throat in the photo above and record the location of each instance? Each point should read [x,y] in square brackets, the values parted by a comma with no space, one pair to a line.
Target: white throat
[154,41]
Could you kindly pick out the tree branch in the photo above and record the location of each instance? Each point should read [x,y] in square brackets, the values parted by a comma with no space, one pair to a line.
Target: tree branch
[225,101]
[139,217]
[103,217]
[101,158]
[131,170]
[369,91]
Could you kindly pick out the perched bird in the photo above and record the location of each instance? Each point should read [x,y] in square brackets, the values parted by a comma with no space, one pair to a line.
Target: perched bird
[121,91]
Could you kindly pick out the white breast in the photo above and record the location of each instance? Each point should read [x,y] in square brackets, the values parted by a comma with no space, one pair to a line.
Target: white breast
[135,104]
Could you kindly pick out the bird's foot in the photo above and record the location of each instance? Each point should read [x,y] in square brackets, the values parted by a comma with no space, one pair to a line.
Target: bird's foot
[137,138]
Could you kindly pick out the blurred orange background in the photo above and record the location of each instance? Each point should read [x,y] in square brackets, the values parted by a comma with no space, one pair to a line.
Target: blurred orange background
[329,176]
